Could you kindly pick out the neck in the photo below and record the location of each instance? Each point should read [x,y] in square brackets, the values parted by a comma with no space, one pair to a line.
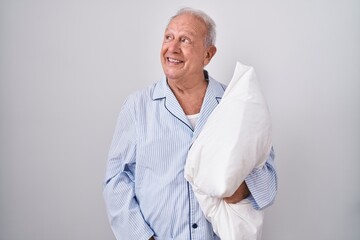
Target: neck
[190,94]
[190,85]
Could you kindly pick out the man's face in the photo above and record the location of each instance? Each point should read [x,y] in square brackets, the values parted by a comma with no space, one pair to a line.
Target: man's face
[183,52]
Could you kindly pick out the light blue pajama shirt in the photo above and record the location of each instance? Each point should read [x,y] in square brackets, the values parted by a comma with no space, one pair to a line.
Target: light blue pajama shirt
[145,190]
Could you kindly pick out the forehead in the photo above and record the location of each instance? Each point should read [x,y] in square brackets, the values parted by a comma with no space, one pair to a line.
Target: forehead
[187,23]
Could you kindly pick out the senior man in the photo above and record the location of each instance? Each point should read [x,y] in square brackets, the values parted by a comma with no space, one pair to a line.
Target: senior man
[146,194]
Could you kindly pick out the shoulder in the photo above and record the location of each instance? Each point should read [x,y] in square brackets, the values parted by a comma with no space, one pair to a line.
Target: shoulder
[223,86]
[140,101]
[217,87]
[142,95]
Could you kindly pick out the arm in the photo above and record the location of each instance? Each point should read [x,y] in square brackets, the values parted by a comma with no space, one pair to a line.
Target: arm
[261,184]
[122,207]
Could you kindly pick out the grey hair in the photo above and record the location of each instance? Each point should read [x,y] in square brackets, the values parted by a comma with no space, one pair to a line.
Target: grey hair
[209,23]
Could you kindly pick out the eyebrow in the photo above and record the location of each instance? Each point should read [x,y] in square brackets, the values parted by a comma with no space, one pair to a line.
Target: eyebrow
[183,32]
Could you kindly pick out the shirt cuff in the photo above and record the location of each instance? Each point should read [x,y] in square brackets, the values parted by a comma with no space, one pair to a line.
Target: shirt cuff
[262,191]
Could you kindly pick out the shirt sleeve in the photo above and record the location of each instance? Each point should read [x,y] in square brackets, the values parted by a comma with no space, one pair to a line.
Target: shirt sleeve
[262,183]
[123,210]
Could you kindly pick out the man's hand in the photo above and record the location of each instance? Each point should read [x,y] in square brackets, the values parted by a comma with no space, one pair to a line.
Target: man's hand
[241,193]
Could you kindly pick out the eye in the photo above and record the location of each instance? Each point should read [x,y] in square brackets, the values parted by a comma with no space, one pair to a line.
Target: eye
[168,37]
[185,40]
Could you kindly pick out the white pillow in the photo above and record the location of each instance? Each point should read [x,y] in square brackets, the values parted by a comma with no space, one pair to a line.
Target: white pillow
[235,139]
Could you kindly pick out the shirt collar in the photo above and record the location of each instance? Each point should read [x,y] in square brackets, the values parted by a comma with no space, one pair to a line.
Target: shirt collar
[161,87]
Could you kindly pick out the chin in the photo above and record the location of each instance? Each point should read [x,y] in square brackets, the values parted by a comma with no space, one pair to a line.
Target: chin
[170,74]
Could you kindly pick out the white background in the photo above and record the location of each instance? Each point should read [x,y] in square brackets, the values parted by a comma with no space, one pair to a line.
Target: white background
[67,66]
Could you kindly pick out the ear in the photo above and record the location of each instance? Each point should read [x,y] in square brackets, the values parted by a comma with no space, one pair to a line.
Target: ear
[210,52]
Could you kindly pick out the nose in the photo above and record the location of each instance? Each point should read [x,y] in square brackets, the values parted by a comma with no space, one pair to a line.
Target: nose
[174,46]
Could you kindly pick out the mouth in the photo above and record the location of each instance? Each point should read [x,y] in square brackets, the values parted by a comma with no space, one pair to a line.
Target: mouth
[173,60]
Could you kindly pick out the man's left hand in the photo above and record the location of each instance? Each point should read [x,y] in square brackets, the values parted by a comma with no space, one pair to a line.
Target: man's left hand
[241,193]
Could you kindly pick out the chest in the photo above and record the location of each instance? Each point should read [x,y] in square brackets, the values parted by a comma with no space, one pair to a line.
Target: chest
[190,105]
[163,142]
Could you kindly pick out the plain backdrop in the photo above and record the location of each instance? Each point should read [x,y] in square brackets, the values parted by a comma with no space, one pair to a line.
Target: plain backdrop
[67,66]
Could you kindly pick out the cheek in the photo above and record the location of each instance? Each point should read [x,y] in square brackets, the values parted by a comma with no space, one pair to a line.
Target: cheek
[164,48]
[162,53]
[198,57]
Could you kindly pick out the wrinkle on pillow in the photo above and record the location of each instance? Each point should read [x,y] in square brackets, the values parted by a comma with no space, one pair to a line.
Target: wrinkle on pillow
[235,140]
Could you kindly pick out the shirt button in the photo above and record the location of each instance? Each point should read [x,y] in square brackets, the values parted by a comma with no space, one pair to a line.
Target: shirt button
[194,225]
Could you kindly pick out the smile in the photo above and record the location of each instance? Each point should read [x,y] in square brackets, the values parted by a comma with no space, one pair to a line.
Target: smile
[172,60]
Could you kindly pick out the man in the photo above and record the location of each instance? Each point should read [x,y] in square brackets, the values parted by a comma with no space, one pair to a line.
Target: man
[146,194]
